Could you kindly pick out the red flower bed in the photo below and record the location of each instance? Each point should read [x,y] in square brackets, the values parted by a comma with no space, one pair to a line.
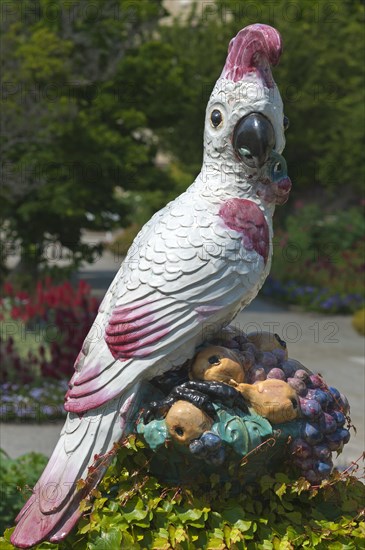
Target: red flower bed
[59,317]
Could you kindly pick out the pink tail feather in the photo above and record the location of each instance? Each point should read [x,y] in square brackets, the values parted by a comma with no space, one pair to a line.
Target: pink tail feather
[54,508]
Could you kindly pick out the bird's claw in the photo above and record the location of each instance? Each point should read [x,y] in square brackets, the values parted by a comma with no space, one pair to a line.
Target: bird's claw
[199,393]
[157,409]
[226,394]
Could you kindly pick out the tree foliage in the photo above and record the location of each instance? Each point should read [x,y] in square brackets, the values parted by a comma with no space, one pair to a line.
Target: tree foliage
[85,85]
[320,77]
[91,92]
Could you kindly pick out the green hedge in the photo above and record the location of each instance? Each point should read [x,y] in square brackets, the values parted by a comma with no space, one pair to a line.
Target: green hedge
[132,510]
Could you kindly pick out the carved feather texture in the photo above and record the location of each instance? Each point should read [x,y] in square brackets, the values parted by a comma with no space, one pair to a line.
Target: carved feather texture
[190,267]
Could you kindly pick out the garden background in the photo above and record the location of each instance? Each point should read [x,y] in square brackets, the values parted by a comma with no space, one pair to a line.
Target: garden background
[103,110]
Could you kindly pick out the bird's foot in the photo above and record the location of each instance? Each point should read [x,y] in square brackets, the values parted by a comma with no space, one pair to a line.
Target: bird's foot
[184,392]
[218,391]
[200,393]
[157,409]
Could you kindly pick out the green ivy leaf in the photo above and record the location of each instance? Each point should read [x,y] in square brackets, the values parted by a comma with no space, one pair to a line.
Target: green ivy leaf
[189,516]
[161,540]
[315,538]
[281,490]
[107,541]
[135,516]
[181,535]
[266,483]
[85,529]
[295,517]
[235,535]
[243,525]
[5,540]
[232,515]
[341,546]
[216,540]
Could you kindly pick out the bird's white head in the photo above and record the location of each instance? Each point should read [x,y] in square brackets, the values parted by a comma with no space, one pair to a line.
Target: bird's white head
[245,123]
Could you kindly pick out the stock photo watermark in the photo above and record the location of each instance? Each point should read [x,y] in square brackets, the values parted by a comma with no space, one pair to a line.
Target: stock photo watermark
[291,332]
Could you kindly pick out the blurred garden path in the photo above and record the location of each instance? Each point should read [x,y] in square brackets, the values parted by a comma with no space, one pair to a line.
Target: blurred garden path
[324,343]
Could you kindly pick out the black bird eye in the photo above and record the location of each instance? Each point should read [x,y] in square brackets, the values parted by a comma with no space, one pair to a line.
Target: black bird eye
[213,359]
[216,118]
[286,123]
[253,139]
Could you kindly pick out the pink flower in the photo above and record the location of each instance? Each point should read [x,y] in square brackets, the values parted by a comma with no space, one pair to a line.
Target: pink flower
[8,288]
[15,312]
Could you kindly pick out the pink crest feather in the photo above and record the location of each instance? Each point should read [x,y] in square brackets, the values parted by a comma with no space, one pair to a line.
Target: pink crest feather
[253,50]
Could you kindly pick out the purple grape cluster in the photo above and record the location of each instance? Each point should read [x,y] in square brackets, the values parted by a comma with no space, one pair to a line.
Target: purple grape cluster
[323,410]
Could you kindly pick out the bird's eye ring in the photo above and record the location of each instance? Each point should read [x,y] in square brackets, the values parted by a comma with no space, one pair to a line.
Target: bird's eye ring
[216,118]
[213,360]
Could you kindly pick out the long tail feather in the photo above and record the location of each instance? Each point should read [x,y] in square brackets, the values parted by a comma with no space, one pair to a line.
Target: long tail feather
[84,454]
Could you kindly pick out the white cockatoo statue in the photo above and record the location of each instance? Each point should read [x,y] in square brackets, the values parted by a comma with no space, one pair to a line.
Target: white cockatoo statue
[195,264]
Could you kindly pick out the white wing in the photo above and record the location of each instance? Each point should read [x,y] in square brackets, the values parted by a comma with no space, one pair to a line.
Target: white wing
[185,271]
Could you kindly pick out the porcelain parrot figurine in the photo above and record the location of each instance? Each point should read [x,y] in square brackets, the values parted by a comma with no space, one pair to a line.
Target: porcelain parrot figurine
[195,264]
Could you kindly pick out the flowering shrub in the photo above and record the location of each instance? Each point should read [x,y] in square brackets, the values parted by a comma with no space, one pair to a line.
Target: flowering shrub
[41,335]
[37,402]
[319,260]
[311,297]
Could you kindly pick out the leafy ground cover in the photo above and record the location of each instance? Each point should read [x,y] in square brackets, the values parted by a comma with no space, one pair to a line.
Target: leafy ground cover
[319,260]
[132,510]
[17,477]
[41,335]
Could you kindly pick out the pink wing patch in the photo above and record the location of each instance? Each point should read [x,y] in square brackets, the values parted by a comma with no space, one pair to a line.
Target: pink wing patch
[246,217]
[132,330]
